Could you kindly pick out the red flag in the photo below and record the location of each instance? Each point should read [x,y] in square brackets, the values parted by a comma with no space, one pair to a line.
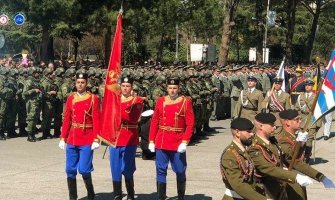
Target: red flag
[111,105]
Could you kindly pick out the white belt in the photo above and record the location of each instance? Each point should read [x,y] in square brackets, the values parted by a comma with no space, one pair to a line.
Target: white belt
[232,193]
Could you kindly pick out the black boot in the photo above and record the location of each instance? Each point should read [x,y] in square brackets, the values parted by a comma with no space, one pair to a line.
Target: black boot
[2,135]
[89,188]
[207,128]
[130,189]
[181,186]
[31,137]
[22,132]
[117,187]
[161,190]
[308,154]
[72,185]
[11,133]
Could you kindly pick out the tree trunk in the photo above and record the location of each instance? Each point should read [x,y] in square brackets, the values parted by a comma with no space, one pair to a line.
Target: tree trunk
[51,53]
[75,49]
[45,42]
[259,32]
[160,49]
[312,33]
[291,9]
[231,6]
[108,44]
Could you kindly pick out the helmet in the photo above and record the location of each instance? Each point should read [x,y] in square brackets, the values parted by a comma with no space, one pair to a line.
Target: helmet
[47,71]
[59,71]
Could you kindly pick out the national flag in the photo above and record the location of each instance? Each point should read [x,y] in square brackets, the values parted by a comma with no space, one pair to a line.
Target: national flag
[326,98]
[281,73]
[111,105]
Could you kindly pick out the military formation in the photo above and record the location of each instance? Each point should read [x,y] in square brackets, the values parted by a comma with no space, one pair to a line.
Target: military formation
[36,95]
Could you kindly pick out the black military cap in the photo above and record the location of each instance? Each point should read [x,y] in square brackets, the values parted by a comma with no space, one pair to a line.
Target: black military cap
[265,118]
[309,82]
[172,81]
[127,79]
[242,124]
[288,114]
[81,75]
[252,78]
[278,80]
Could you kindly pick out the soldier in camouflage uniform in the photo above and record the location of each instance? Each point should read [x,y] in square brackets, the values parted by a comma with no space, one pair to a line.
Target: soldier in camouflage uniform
[48,102]
[67,87]
[158,90]
[23,75]
[4,91]
[32,94]
[12,103]
[59,73]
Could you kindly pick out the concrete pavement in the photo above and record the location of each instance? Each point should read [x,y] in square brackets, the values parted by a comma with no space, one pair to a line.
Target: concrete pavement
[36,170]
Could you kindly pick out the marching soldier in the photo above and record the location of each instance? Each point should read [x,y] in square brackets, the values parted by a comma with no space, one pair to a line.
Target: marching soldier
[171,129]
[277,100]
[287,139]
[3,101]
[297,85]
[12,102]
[79,131]
[236,89]
[269,160]
[122,156]
[304,105]
[237,168]
[250,101]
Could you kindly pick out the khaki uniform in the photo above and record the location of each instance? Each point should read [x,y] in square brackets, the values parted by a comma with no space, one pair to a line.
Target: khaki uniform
[286,142]
[280,97]
[249,104]
[237,171]
[267,161]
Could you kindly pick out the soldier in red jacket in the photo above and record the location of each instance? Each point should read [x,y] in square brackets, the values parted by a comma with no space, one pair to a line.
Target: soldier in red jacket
[79,131]
[171,128]
[122,156]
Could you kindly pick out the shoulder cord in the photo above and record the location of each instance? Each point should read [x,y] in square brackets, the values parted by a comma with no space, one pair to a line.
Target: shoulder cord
[247,170]
[273,160]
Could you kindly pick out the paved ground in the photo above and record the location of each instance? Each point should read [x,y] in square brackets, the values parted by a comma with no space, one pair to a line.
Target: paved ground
[36,170]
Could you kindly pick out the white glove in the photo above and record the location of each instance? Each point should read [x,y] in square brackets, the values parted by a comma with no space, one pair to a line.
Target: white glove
[95,145]
[151,147]
[182,147]
[303,180]
[328,183]
[302,137]
[61,144]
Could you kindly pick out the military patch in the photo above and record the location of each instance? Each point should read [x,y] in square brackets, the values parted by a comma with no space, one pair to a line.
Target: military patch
[256,153]
[230,163]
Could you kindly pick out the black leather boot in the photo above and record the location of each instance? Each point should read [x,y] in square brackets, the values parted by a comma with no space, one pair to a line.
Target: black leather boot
[161,190]
[89,188]
[117,190]
[72,185]
[2,135]
[130,189]
[31,137]
[207,128]
[308,154]
[181,186]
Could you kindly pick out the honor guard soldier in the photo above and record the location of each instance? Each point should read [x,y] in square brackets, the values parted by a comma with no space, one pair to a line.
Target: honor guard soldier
[237,168]
[250,101]
[277,100]
[287,139]
[171,129]
[79,131]
[122,156]
[297,85]
[269,160]
[304,105]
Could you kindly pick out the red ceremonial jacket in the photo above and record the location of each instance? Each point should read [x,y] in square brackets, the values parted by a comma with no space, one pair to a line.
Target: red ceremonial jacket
[131,110]
[81,122]
[172,122]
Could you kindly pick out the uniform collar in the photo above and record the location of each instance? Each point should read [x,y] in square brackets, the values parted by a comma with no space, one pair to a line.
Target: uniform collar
[266,141]
[240,146]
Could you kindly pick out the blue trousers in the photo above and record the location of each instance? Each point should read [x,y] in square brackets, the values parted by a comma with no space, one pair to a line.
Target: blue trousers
[79,158]
[178,164]
[122,161]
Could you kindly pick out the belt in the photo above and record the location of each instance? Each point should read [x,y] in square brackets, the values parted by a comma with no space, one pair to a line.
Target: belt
[232,193]
[254,109]
[128,126]
[82,126]
[297,92]
[170,128]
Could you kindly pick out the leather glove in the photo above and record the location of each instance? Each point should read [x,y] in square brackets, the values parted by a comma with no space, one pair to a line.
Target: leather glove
[61,144]
[95,145]
[151,147]
[182,147]
[328,183]
[303,180]
[302,137]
